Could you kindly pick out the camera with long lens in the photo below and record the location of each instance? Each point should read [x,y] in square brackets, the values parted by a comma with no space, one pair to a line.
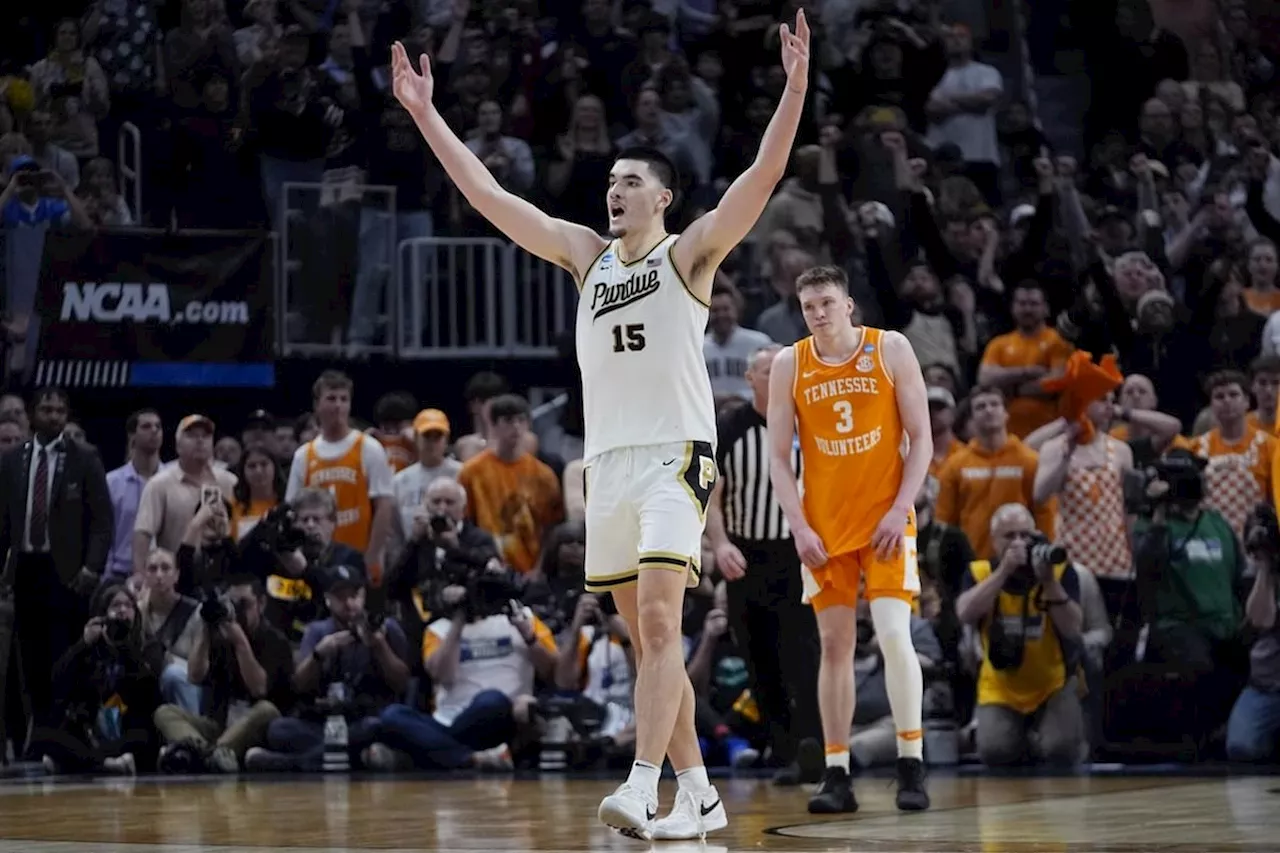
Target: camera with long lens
[278,532]
[1181,469]
[1046,553]
[489,594]
[1004,650]
[440,524]
[215,610]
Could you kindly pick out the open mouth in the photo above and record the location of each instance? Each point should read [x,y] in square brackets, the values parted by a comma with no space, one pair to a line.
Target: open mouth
[615,211]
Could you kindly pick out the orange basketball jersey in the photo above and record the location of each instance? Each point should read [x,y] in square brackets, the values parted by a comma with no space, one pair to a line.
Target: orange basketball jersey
[346,480]
[852,442]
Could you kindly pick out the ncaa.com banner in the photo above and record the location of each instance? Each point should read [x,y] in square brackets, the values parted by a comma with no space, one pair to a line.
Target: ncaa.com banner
[142,307]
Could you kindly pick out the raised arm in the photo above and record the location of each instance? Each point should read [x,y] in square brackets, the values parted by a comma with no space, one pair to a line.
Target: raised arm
[710,239]
[564,244]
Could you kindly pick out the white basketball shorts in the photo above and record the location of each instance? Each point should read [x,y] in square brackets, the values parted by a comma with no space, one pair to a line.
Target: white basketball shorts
[646,509]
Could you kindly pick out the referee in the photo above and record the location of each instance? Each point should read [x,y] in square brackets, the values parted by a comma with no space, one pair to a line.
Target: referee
[756,555]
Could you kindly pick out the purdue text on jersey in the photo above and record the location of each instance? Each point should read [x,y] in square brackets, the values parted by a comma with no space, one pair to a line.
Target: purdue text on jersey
[606,297]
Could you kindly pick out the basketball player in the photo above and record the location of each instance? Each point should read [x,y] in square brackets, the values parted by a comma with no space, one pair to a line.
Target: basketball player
[650,423]
[857,397]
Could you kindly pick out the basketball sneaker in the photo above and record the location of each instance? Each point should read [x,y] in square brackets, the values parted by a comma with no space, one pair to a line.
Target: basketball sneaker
[912,797]
[694,815]
[630,811]
[834,794]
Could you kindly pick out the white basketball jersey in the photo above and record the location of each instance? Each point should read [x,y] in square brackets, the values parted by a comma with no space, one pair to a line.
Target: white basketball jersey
[639,334]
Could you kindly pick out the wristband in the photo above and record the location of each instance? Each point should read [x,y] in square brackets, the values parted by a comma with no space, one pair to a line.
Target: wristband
[1057,602]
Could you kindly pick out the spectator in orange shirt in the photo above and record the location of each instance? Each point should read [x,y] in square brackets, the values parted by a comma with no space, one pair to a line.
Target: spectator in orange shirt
[1238,475]
[510,493]
[1265,385]
[942,413]
[993,469]
[1016,362]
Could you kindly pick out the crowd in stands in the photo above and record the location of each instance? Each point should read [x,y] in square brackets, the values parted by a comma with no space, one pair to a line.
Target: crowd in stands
[433,574]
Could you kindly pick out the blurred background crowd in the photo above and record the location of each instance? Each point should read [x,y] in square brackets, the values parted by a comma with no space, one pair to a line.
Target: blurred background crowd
[1007,184]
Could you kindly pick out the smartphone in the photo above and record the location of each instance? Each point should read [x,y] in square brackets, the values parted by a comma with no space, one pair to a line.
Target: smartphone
[211,496]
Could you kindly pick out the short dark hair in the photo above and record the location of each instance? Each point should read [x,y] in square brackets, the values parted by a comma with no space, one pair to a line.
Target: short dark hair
[302,423]
[1222,378]
[1032,284]
[131,422]
[331,380]
[395,406]
[985,390]
[663,169]
[1265,364]
[483,386]
[508,406]
[49,392]
[822,276]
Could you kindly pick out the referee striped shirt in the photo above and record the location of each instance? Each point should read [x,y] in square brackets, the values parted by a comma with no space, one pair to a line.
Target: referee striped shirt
[750,510]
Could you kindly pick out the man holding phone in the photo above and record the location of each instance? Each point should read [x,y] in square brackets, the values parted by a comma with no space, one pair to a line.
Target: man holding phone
[34,197]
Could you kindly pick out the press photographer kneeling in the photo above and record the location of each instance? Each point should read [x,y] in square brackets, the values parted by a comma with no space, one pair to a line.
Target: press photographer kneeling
[482,658]
[1188,659]
[1253,731]
[244,664]
[1027,613]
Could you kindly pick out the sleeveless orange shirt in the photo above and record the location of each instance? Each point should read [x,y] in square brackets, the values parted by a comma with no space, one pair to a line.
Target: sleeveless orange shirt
[851,439]
[346,480]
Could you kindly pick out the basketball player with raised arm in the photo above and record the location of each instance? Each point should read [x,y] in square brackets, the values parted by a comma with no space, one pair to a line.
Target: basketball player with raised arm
[857,397]
[650,422]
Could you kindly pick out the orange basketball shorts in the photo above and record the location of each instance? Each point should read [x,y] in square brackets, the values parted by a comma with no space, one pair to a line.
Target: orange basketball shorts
[839,581]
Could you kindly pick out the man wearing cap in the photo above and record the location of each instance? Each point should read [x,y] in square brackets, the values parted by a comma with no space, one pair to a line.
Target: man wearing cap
[171,498]
[35,197]
[431,429]
[260,432]
[369,659]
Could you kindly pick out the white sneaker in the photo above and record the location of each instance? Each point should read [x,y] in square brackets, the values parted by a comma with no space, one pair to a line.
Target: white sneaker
[694,815]
[630,811]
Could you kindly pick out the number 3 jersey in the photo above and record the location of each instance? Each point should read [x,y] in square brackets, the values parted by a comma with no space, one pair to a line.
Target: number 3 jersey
[851,441]
[639,337]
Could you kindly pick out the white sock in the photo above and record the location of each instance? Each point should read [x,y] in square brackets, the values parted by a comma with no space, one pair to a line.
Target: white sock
[839,759]
[693,779]
[644,777]
[903,680]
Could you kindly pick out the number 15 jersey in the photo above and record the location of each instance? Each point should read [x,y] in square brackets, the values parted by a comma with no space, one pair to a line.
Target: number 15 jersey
[851,441]
[639,338]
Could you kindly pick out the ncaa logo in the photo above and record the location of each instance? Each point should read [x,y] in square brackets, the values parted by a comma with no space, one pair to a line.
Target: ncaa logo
[865,364]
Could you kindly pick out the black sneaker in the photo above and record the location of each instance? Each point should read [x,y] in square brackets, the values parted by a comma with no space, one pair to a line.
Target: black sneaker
[807,767]
[834,794]
[912,797]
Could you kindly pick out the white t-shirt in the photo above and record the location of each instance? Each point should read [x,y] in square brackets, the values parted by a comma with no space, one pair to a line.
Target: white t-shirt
[727,363]
[410,488]
[974,133]
[493,657]
[372,457]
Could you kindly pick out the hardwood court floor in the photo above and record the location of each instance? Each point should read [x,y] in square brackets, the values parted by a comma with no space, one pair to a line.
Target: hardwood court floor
[983,815]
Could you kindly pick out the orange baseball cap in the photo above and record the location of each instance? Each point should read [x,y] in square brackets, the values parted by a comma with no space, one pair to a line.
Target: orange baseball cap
[195,420]
[431,420]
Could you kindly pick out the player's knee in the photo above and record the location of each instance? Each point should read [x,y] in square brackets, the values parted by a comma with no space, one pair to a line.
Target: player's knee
[659,626]
[892,619]
[837,640]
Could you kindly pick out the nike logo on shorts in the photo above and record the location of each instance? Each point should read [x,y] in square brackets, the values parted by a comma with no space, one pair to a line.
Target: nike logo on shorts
[668,462]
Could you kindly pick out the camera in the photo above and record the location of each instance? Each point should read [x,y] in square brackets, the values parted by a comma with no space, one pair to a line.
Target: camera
[440,524]
[489,594]
[1005,651]
[1047,553]
[278,531]
[1181,469]
[214,611]
[116,631]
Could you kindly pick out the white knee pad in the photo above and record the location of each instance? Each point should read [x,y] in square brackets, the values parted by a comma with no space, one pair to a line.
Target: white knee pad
[892,620]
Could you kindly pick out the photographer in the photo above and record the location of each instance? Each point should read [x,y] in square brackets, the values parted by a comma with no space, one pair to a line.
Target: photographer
[362,651]
[105,689]
[1253,730]
[552,589]
[291,548]
[1190,566]
[442,545]
[1024,604]
[598,662]
[207,554]
[35,196]
[482,658]
[244,664]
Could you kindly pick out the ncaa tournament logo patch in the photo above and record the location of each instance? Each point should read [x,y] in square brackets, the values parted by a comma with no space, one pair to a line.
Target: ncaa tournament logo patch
[606,261]
[865,364]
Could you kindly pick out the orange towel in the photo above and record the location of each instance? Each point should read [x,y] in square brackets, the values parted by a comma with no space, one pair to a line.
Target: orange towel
[1082,383]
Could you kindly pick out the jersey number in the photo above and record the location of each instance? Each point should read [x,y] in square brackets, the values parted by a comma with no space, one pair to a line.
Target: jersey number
[629,337]
[844,409]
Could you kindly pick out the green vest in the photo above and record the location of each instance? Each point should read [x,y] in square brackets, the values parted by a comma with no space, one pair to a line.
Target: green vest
[1198,587]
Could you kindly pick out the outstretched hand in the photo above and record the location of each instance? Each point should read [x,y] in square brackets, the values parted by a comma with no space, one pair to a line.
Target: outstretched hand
[795,53]
[412,90]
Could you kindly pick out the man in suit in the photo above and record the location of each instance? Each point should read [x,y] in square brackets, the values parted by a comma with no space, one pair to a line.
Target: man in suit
[55,530]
